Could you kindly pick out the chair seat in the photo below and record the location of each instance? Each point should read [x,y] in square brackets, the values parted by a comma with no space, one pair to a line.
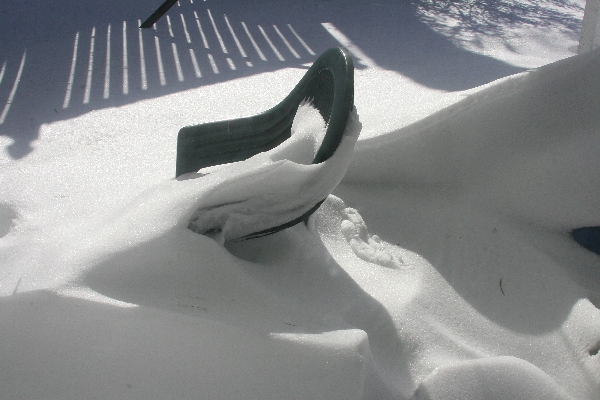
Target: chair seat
[328,85]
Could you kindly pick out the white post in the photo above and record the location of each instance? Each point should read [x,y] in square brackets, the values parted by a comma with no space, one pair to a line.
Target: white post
[590,31]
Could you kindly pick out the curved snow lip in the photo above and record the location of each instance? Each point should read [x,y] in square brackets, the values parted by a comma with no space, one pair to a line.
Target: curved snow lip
[588,237]
[501,377]
[269,191]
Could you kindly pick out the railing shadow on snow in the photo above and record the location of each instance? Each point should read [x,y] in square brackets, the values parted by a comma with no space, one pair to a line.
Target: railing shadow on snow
[64,61]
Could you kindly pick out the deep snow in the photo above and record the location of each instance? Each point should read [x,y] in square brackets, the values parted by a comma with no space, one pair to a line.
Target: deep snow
[441,268]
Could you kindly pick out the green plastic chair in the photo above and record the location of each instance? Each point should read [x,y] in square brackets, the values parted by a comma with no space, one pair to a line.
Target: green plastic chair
[328,85]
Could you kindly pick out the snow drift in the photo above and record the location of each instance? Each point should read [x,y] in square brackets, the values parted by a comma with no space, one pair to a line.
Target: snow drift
[441,268]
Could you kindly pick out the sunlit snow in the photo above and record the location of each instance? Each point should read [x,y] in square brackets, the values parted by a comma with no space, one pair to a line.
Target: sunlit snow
[441,266]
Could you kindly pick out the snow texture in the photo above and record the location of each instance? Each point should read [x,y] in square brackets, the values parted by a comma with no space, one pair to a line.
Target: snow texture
[441,267]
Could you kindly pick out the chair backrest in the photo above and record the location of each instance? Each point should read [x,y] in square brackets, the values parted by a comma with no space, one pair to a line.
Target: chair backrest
[328,85]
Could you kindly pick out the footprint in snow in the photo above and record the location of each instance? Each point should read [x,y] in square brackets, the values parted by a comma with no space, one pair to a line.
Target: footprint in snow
[366,247]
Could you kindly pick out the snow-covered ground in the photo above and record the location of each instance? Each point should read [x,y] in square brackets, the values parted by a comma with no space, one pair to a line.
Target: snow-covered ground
[441,268]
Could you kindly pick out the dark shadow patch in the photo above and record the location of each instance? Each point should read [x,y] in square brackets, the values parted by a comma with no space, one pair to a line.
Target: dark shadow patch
[595,350]
[7,219]
[588,237]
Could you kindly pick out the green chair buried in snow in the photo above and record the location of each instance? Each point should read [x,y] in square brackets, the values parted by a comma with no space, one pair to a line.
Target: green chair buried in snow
[328,85]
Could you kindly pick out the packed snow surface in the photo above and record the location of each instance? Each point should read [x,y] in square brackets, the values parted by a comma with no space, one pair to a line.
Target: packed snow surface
[441,267]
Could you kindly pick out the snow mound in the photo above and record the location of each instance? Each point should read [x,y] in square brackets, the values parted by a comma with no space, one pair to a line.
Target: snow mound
[524,146]
[441,268]
[498,378]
